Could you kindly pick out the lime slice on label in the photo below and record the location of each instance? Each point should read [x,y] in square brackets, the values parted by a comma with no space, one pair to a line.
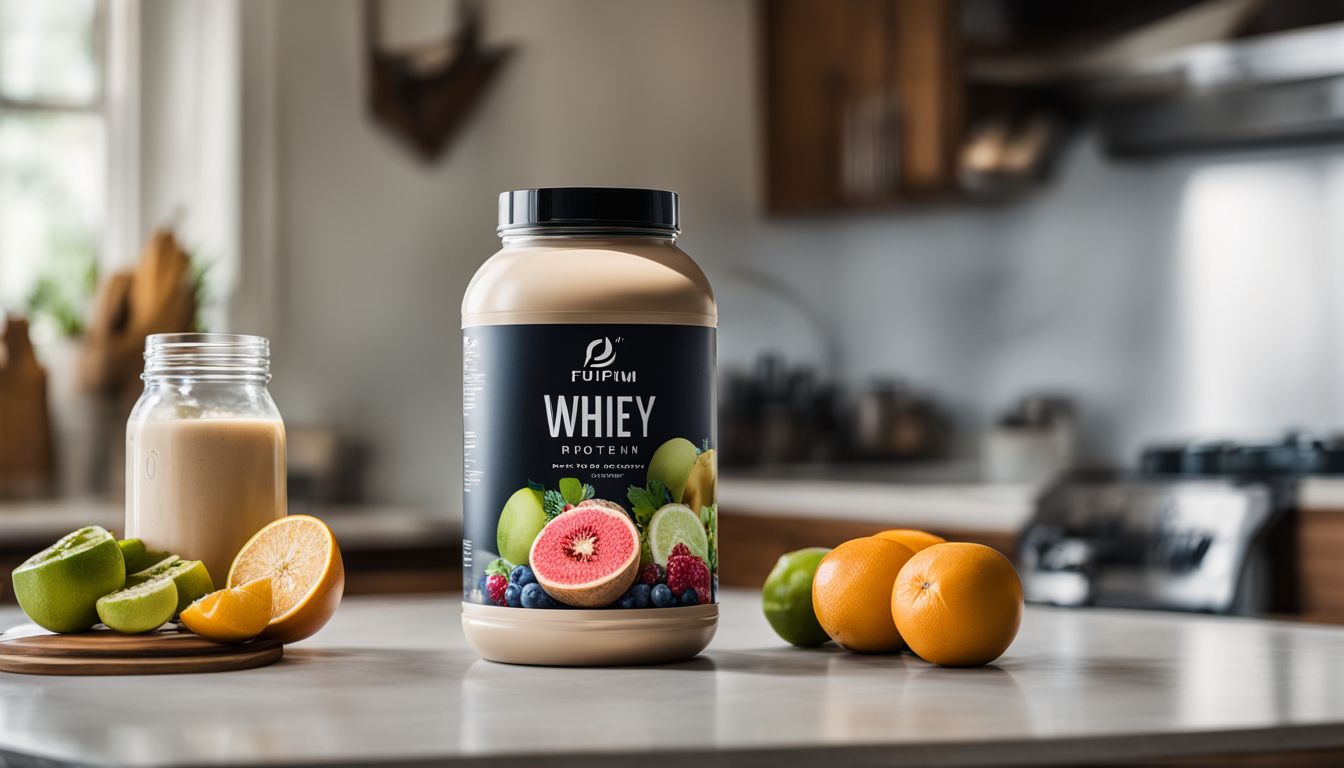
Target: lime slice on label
[675,524]
[59,587]
[190,577]
[140,608]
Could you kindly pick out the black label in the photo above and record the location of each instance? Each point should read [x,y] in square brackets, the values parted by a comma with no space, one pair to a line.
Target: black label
[562,419]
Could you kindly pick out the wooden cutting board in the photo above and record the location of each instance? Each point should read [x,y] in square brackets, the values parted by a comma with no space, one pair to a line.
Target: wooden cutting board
[30,650]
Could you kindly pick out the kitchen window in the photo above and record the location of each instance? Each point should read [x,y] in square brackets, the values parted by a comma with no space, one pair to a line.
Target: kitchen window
[53,153]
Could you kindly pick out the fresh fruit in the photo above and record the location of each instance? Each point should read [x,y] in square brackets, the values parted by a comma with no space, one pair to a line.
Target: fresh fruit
[495,587]
[650,574]
[662,596]
[671,465]
[300,556]
[626,601]
[587,557]
[513,596]
[690,597]
[232,615]
[958,604]
[702,482]
[189,576]
[521,575]
[59,587]
[851,594]
[140,608]
[672,525]
[786,598]
[519,523]
[686,571]
[535,597]
[137,556]
[641,594]
[915,540]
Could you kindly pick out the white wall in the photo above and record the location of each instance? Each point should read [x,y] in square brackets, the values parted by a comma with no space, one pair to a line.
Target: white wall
[375,248]
[1172,298]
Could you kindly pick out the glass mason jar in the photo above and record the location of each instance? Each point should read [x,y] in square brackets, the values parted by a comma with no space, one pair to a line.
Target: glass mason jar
[205,448]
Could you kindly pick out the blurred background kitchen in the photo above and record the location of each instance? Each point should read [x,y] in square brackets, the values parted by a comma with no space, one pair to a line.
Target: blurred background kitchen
[1060,277]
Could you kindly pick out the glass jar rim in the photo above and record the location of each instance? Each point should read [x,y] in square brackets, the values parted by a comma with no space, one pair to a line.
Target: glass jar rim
[207,356]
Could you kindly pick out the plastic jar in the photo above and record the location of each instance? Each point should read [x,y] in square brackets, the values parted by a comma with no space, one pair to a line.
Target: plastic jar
[205,448]
[590,481]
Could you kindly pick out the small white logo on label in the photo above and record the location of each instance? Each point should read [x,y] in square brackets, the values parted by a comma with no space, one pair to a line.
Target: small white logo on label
[601,353]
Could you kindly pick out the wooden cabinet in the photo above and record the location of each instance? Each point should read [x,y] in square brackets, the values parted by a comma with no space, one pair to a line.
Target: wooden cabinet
[863,102]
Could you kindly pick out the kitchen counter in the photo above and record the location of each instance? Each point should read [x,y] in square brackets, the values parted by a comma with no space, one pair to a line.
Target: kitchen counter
[960,506]
[391,680]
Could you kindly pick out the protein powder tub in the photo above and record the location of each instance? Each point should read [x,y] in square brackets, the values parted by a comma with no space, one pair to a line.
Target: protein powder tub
[590,504]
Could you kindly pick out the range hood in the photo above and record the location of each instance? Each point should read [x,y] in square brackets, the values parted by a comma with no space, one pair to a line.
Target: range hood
[1274,89]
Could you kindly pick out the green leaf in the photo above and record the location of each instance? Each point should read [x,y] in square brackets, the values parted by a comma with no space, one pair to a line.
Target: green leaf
[499,567]
[571,489]
[534,485]
[588,492]
[659,492]
[704,445]
[553,504]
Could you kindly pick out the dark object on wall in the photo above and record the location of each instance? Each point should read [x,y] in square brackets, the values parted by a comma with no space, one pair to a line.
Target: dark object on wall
[424,94]
[26,465]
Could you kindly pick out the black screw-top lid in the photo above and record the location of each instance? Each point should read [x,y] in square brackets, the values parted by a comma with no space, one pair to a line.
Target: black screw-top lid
[590,209]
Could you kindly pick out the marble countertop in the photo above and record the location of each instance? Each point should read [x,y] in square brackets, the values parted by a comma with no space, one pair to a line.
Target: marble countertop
[391,680]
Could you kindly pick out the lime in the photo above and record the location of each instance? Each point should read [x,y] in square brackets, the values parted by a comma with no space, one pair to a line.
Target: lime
[519,523]
[675,524]
[138,556]
[787,597]
[59,587]
[190,577]
[141,608]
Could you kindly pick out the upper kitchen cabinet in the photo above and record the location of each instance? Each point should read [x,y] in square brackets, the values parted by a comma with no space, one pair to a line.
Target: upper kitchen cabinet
[864,102]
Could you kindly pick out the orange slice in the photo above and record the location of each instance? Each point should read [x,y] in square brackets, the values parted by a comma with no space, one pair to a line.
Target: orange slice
[231,615]
[299,555]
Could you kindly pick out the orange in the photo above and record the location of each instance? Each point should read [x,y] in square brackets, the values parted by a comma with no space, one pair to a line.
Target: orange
[958,604]
[231,615]
[851,594]
[299,555]
[915,540]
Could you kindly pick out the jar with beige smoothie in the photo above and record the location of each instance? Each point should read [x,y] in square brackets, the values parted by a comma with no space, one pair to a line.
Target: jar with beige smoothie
[590,483]
[205,448]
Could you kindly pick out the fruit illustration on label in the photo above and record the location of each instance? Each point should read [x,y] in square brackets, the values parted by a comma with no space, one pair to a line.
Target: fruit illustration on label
[520,522]
[675,524]
[672,463]
[701,482]
[588,556]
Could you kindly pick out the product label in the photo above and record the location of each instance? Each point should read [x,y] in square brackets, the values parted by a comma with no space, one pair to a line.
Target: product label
[590,478]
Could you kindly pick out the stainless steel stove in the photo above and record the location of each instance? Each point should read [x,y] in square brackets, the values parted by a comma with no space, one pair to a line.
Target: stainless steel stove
[1201,527]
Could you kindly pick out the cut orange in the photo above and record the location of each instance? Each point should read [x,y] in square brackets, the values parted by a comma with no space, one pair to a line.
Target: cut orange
[299,555]
[915,540]
[231,615]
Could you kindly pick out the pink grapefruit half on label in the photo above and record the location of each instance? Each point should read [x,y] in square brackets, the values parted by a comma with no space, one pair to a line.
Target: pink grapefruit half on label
[587,557]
